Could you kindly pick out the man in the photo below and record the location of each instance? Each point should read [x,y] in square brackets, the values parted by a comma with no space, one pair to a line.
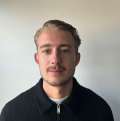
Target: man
[57,96]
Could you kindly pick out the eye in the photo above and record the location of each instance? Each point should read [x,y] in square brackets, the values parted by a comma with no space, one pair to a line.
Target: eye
[65,51]
[46,51]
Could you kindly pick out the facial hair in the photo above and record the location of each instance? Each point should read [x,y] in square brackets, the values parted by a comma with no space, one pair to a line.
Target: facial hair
[62,82]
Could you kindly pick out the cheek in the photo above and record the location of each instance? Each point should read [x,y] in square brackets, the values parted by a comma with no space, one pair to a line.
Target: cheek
[43,62]
[70,63]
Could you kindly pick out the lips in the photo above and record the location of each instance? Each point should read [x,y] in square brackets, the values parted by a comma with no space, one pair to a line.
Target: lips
[55,71]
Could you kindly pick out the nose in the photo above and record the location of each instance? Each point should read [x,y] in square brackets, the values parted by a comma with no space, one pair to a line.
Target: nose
[55,58]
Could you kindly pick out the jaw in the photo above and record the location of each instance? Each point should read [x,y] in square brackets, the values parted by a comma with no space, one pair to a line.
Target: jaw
[58,92]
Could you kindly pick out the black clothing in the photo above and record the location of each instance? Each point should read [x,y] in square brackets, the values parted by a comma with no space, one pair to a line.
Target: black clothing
[34,105]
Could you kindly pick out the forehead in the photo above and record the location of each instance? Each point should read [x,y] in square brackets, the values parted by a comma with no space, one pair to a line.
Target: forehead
[55,37]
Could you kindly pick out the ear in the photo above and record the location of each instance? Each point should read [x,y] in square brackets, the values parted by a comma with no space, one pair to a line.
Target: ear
[77,58]
[36,58]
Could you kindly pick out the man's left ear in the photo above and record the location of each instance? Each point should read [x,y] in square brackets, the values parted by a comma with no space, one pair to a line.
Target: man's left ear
[77,58]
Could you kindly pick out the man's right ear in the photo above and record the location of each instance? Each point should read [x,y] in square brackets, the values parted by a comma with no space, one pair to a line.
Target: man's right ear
[36,58]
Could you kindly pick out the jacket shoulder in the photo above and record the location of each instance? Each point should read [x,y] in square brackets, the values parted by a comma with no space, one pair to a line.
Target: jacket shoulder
[22,99]
[92,97]
[96,105]
[20,105]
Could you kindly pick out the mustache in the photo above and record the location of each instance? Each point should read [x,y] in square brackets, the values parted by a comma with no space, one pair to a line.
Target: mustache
[56,67]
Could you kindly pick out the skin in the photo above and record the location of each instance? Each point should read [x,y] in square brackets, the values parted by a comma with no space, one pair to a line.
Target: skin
[57,60]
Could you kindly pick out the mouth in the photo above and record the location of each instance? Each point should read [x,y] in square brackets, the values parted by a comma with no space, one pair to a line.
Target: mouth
[55,71]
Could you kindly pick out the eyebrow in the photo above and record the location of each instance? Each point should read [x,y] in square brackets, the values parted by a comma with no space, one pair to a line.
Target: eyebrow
[46,45]
[61,45]
[65,45]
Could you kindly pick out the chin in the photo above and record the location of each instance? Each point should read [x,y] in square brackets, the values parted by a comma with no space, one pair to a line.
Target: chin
[57,82]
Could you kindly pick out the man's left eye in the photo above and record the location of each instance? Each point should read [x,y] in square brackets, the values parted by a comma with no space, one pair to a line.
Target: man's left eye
[65,51]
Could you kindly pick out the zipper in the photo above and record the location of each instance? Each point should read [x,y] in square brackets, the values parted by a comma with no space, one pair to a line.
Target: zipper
[58,112]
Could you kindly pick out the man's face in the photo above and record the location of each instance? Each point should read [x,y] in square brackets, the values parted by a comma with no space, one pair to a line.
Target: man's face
[56,56]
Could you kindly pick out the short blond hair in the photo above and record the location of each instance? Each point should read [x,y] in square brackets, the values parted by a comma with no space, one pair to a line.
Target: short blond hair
[60,25]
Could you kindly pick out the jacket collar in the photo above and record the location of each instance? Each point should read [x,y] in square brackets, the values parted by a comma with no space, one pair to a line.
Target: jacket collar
[44,103]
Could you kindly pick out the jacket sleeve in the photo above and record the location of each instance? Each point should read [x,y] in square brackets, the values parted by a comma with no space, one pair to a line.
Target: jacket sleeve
[6,114]
[110,115]
[2,117]
[106,113]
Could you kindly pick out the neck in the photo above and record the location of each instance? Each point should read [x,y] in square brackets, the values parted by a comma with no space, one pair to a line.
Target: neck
[58,92]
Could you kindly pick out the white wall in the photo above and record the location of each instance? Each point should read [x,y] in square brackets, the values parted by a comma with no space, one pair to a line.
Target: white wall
[98,23]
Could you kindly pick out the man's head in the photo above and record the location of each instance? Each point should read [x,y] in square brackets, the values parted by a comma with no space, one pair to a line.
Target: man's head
[57,52]
[60,25]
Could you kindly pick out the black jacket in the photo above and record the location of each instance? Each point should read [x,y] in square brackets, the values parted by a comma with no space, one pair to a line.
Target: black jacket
[34,105]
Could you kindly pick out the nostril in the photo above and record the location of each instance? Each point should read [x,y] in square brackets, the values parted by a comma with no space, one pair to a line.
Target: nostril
[55,61]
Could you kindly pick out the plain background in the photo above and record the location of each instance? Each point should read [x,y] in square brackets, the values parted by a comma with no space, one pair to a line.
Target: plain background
[98,23]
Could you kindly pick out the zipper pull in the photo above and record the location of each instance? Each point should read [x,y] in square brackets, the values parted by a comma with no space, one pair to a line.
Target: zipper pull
[58,109]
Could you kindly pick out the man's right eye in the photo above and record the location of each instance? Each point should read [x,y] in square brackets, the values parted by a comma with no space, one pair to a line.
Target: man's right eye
[46,51]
